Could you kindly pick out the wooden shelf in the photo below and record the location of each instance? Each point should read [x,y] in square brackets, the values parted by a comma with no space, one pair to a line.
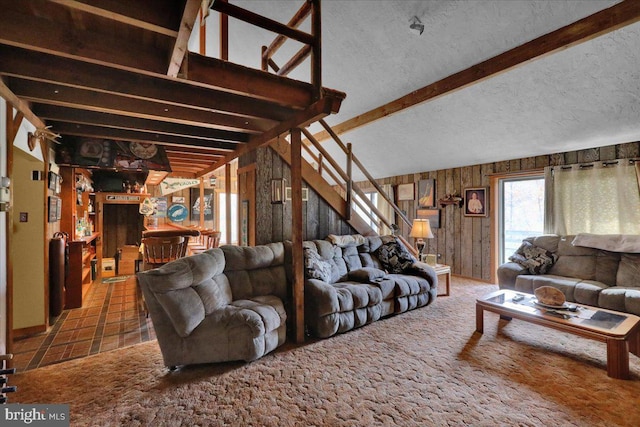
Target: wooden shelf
[81,252]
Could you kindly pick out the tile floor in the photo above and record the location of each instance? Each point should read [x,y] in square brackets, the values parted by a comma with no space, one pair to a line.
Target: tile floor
[110,318]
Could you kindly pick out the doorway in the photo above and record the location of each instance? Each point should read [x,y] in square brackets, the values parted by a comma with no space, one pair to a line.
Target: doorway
[521,212]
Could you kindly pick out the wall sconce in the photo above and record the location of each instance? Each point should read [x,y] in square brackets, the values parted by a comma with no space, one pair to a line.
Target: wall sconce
[277,191]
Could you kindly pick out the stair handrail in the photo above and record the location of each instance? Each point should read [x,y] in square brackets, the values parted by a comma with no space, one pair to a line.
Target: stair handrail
[354,187]
[366,173]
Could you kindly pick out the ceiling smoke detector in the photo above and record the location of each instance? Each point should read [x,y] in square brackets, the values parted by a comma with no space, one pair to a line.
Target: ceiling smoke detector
[416,27]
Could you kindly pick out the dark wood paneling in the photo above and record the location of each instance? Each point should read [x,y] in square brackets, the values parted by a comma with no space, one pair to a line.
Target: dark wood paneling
[123,225]
[273,221]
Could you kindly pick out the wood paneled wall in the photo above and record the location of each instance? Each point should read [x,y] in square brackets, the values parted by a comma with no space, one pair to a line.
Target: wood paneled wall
[464,243]
[273,221]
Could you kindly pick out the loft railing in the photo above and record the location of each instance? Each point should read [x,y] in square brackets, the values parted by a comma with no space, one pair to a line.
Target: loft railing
[311,42]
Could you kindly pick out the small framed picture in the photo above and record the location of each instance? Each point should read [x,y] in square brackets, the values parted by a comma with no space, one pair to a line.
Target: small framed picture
[305,194]
[476,201]
[406,191]
[433,215]
[177,199]
[427,193]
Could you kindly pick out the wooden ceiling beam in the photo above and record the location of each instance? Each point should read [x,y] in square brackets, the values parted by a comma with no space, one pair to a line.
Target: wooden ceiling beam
[622,14]
[92,131]
[189,15]
[145,15]
[20,105]
[23,63]
[18,30]
[315,112]
[193,158]
[195,151]
[65,96]
[74,115]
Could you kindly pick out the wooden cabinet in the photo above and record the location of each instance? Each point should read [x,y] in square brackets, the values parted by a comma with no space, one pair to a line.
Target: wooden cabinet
[81,253]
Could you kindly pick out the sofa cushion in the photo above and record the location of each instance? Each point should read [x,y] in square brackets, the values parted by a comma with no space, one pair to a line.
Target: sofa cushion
[534,258]
[394,257]
[588,291]
[621,298]
[546,241]
[346,240]
[574,261]
[366,274]
[607,267]
[629,270]
[315,267]
[610,242]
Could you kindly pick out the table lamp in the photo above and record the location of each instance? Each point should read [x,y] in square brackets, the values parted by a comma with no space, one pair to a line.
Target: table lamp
[420,230]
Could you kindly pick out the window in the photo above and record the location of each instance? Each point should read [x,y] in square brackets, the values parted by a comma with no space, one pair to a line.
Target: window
[222,203]
[521,212]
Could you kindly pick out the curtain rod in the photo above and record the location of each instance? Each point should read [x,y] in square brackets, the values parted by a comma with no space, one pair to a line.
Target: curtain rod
[604,163]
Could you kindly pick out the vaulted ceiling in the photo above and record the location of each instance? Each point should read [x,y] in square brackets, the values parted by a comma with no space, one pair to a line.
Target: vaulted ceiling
[116,69]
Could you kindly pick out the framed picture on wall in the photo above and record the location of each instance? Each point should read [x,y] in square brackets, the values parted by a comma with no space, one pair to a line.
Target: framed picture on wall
[305,194]
[406,191]
[433,215]
[53,208]
[427,193]
[476,201]
[197,204]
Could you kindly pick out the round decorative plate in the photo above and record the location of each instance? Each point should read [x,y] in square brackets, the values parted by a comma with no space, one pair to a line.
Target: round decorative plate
[177,212]
[91,149]
[143,150]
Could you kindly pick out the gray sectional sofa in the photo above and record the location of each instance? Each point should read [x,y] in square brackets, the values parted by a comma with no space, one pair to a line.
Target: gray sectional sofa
[596,270]
[354,280]
[221,305]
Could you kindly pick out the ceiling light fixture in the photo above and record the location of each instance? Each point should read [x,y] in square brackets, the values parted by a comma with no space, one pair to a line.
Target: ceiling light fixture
[416,27]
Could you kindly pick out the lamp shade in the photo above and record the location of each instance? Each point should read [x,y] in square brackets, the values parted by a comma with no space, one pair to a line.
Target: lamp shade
[421,229]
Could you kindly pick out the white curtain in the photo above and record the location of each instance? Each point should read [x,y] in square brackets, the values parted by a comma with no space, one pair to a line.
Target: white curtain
[599,198]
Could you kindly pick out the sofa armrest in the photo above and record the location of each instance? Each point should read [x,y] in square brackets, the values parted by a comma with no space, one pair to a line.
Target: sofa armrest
[321,298]
[507,274]
[423,270]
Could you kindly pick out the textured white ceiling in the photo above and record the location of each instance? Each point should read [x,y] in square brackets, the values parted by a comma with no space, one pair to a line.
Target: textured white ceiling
[582,97]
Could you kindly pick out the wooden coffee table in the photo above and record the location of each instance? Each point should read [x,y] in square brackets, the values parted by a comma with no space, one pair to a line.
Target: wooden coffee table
[620,331]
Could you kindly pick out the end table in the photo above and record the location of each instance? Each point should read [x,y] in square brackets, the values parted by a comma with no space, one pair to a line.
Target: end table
[444,271]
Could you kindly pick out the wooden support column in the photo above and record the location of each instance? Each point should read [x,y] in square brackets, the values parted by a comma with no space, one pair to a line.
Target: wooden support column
[224,36]
[227,184]
[350,180]
[316,56]
[201,202]
[297,236]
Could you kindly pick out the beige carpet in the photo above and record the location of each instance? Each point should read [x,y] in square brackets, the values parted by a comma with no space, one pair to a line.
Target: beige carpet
[422,368]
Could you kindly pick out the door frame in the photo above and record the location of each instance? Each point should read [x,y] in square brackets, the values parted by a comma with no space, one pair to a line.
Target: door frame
[494,183]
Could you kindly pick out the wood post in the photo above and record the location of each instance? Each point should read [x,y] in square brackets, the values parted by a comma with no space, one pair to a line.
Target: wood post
[297,263]
[350,180]
[227,184]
